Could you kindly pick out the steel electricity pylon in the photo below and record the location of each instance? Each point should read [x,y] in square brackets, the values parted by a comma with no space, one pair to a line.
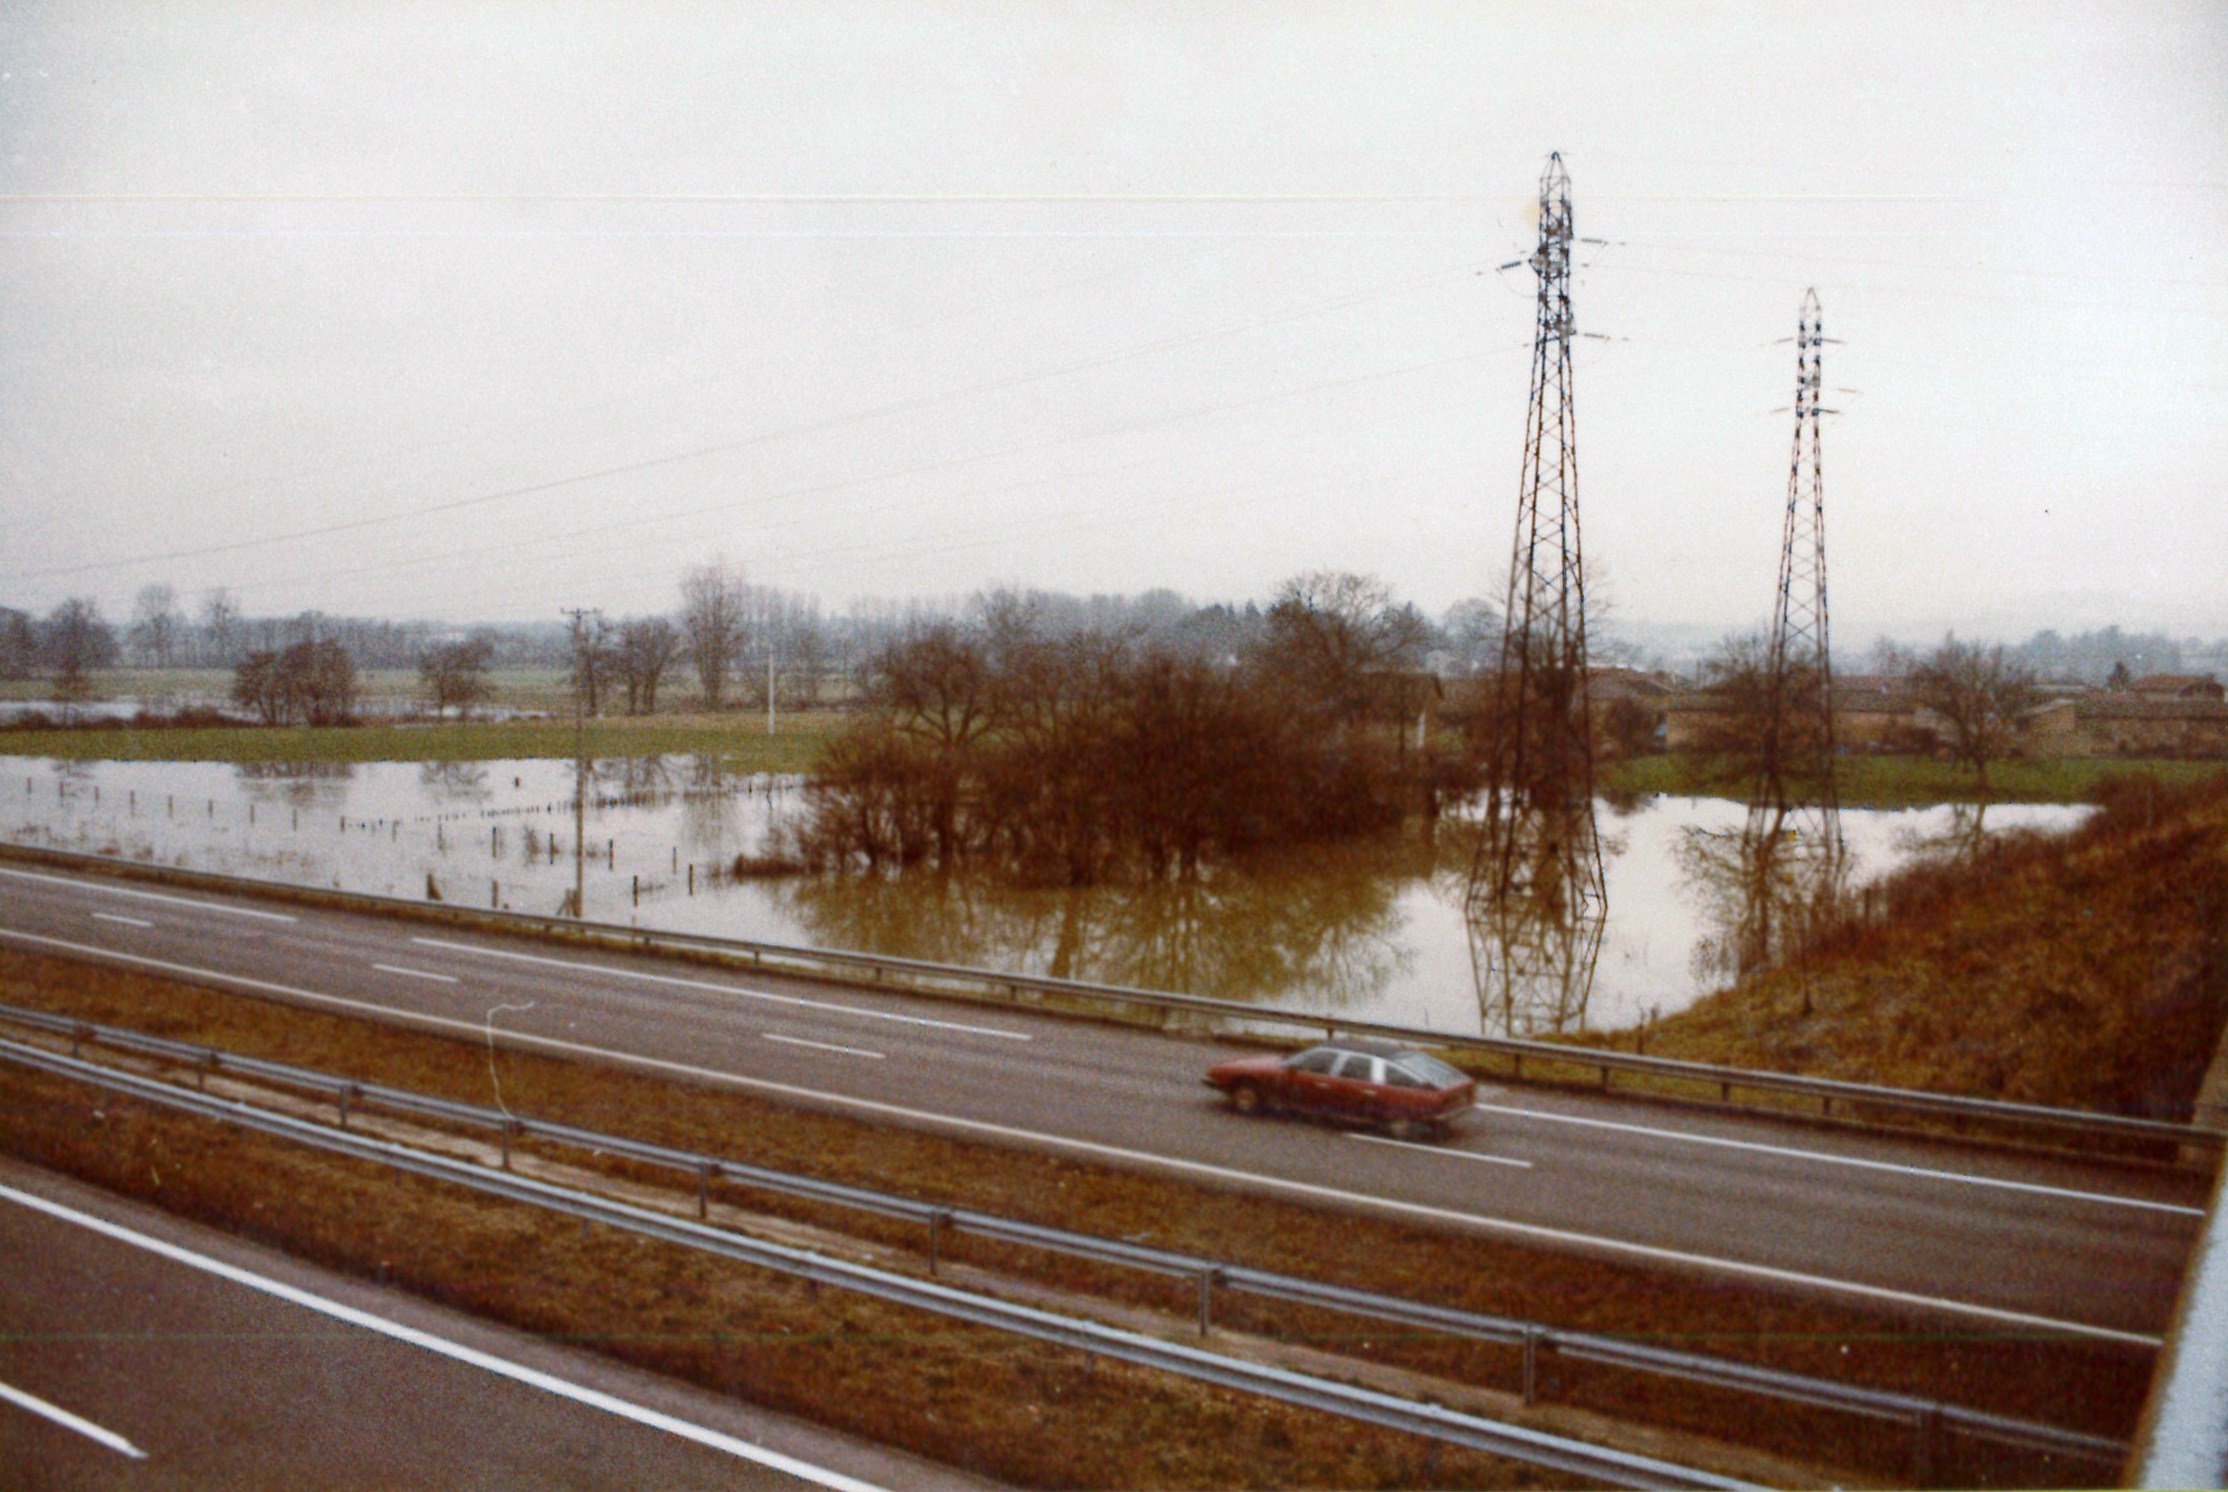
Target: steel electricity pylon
[1538,864]
[1794,794]
[1791,850]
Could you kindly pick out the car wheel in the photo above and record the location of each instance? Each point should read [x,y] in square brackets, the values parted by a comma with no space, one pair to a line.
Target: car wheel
[1403,1129]
[1246,1098]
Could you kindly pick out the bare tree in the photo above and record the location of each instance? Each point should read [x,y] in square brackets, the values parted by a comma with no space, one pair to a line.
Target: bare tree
[258,685]
[647,647]
[1979,695]
[1473,631]
[157,625]
[220,627]
[19,644]
[715,623]
[310,682]
[595,662]
[1339,639]
[455,673]
[323,678]
[74,642]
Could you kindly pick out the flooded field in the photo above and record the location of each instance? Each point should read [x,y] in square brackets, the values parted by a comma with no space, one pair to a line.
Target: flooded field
[1374,931]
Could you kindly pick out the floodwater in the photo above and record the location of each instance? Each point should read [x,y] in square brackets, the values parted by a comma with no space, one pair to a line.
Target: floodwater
[1373,931]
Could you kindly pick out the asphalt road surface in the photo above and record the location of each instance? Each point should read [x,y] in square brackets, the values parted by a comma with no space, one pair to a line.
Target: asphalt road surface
[1960,1237]
[138,1351]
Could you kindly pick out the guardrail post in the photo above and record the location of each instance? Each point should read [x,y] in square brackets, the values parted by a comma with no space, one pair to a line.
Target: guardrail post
[1531,1366]
[1207,1279]
[705,1171]
[201,1073]
[79,1035]
[936,1221]
[508,1126]
[348,1093]
[1925,1432]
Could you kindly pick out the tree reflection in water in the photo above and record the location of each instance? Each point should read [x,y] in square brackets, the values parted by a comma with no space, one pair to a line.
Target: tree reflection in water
[296,784]
[460,782]
[1763,893]
[1321,929]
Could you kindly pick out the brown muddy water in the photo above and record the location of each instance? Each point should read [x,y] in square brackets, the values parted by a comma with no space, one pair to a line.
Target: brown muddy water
[1373,931]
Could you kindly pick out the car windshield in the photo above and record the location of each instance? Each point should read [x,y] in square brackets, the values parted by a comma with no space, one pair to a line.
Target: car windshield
[1433,1071]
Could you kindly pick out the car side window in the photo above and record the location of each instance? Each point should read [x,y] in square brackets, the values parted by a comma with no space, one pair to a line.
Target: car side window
[1313,1061]
[1357,1068]
[1401,1077]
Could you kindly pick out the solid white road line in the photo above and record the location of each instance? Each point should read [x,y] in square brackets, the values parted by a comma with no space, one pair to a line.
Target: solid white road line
[69,1421]
[825,1046]
[1447,1215]
[1496,1160]
[127,921]
[416,973]
[457,1351]
[1964,1177]
[178,901]
[603,971]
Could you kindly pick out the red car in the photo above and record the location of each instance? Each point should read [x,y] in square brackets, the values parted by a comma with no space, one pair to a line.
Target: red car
[1366,1082]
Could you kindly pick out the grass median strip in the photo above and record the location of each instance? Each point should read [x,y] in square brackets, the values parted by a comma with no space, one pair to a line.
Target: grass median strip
[2093,1387]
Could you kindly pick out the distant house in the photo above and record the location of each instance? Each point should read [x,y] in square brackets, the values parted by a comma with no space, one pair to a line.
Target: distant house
[2177,686]
[2163,721]
[1871,713]
[1631,692]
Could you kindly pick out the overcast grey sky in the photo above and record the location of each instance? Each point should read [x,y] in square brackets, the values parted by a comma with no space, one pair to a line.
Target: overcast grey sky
[482,310]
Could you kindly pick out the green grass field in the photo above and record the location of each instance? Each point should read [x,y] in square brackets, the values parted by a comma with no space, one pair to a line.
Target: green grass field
[740,741]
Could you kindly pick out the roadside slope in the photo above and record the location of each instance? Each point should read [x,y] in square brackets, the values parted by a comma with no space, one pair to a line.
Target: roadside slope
[2088,970]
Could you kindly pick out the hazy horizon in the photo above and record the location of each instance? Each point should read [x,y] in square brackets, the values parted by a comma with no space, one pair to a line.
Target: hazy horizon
[473,311]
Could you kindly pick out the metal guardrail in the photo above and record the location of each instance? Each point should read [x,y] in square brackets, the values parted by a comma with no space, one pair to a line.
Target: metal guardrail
[915,975]
[1596,1464]
[1929,1420]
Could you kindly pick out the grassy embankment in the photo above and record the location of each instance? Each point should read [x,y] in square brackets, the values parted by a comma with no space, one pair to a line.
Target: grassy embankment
[2086,970]
[1035,1415]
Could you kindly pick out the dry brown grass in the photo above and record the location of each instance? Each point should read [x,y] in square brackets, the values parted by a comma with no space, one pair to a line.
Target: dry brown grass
[2088,970]
[967,1396]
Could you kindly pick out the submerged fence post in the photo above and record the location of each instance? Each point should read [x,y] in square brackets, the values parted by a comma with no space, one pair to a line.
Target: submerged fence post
[705,1171]
[936,1220]
[1531,1366]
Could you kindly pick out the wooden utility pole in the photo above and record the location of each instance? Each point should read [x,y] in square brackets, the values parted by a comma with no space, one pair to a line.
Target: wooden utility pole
[580,615]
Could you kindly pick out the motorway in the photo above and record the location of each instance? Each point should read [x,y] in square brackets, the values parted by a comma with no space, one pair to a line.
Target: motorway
[1961,1237]
[139,1351]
